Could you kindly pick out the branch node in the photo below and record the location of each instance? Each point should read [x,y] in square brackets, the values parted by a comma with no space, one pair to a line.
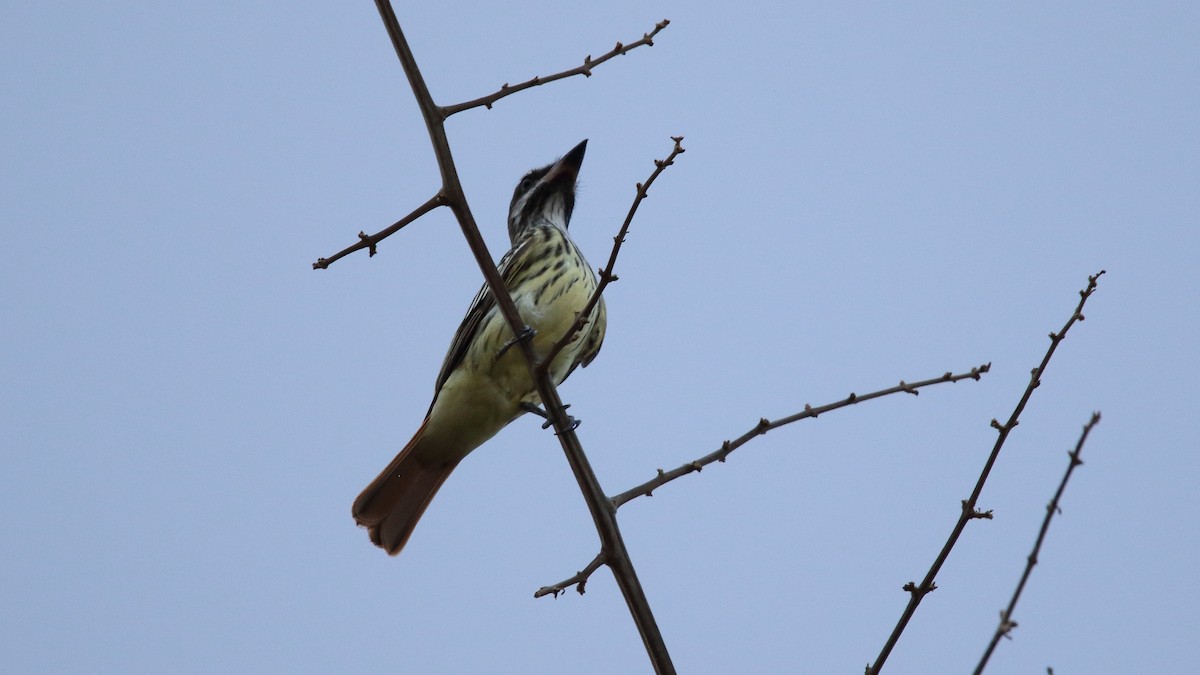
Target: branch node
[369,242]
[763,425]
[912,587]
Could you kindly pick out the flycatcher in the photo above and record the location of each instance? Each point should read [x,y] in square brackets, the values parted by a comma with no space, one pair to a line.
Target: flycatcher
[484,385]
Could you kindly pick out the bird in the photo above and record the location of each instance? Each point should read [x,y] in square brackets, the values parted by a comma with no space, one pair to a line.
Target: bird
[484,385]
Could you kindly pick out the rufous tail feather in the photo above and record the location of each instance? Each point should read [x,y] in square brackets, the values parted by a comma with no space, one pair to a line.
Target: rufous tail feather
[393,503]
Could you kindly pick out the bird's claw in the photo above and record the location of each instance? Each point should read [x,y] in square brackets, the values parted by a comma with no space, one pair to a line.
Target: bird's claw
[572,423]
[531,408]
[526,333]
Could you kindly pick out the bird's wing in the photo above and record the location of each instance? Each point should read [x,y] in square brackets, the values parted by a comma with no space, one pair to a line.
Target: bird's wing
[510,266]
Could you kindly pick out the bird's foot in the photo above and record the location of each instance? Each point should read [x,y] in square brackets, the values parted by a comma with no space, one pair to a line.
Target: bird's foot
[531,408]
[572,423]
[526,333]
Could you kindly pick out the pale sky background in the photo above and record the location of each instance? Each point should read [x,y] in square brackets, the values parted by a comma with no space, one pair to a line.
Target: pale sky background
[870,192]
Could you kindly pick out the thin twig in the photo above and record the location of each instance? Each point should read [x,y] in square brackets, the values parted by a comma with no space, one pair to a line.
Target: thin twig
[370,241]
[606,274]
[579,579]
[764,425]
[602,511]
[1006,623]
[586,70]
[969,512]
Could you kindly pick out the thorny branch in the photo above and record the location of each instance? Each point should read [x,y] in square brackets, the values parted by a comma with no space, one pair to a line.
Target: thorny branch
[606,274]
[1006,623]
[579,579]
[439,115]
[369,241]
[969,512]
[586,70]
[764,425]
[616,556]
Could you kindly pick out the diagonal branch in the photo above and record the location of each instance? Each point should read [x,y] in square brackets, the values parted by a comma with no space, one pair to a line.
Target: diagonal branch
[370,241]
[442,112]
[969,512]
[603,514]
[764,425]
[1006,622]
[586,70]
[579,579]
[606,274]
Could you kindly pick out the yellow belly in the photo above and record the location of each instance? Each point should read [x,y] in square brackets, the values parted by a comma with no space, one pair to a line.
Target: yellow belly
[484,393]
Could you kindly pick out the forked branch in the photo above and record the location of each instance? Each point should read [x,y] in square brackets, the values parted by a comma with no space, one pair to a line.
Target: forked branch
[438,114]
[603,514]
[917,592]
[764,425]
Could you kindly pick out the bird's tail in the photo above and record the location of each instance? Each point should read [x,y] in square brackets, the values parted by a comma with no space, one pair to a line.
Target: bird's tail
[393,503]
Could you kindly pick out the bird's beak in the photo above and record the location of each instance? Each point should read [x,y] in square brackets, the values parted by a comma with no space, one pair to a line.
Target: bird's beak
[567,168]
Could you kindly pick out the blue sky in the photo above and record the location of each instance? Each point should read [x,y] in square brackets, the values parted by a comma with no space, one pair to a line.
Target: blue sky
[870,193]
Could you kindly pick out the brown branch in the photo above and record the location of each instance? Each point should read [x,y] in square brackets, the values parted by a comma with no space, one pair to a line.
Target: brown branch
[370,241]
[1006,623]
[764,425]
[606,274]
[579,579]
[969,512]
[586,70]
[603,514]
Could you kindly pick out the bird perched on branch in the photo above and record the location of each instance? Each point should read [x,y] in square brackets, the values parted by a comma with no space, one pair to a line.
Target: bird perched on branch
[483,384]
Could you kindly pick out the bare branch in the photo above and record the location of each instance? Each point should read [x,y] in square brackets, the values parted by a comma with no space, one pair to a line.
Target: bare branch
[918,592]
[1006,623]
[764,425]
[579,579]
[370,241]
[602,511]
[606,274]
[586,70]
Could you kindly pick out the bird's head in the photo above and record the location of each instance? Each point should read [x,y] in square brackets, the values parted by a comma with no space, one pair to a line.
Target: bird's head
[546,194]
